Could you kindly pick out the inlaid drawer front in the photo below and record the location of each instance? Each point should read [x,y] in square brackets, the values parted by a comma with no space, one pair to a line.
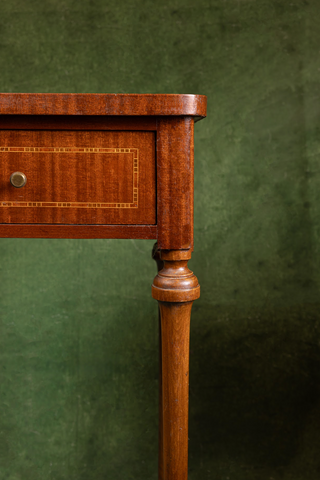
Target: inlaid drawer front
[77,177]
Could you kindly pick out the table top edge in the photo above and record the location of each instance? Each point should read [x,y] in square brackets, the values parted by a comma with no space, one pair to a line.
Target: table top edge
[103,104]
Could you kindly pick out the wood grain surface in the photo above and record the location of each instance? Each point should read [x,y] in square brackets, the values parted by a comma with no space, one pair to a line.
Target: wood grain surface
[74,122]
[78,231]
[102,104]
[175,287]
[175,182]
[78,177]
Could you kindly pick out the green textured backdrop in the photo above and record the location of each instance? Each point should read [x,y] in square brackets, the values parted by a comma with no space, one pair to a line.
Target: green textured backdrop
[78,356]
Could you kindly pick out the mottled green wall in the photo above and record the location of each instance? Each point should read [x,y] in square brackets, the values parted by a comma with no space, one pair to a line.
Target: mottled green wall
[78,356]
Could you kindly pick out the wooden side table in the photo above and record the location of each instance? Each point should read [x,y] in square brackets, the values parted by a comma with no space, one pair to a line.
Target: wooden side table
[114,166]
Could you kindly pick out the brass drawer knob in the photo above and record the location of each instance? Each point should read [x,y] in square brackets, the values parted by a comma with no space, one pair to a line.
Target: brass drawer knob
[18,179]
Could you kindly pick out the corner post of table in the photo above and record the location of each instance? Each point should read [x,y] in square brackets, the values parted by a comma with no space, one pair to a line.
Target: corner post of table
[175,287]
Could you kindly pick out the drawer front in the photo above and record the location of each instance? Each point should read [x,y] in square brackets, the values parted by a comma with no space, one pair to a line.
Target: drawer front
[78,177]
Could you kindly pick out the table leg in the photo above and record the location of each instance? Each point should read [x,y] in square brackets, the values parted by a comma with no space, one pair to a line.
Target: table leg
[175,287]
[156,257]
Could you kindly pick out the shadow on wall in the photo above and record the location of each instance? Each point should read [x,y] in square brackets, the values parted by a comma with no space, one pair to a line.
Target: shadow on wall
[255,398]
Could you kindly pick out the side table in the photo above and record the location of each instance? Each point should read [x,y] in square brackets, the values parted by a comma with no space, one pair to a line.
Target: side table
[114,166]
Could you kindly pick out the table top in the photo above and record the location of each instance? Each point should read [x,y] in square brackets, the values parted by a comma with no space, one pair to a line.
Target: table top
[103,104]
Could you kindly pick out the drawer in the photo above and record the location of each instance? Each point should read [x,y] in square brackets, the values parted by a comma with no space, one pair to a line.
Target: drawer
[78,177]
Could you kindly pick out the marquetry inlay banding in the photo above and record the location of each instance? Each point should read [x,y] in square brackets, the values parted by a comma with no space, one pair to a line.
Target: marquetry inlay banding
[78,150]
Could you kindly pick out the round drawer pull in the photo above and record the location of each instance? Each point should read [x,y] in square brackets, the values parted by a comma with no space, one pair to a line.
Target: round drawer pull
[18,179]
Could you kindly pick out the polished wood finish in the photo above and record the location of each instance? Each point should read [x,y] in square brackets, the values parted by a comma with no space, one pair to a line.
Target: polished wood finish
[148,199]
[78,177]
[102,104]
[145,232]
[175,183]
[73,122]
[175,287]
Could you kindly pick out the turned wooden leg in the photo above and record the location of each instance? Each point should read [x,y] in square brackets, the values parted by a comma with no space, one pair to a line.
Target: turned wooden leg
[175,287]
[156,257]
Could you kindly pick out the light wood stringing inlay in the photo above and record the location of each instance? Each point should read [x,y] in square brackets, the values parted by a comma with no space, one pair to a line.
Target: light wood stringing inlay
[61,150]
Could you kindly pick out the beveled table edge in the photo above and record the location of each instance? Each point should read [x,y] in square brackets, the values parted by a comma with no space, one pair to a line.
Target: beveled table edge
[103,104]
